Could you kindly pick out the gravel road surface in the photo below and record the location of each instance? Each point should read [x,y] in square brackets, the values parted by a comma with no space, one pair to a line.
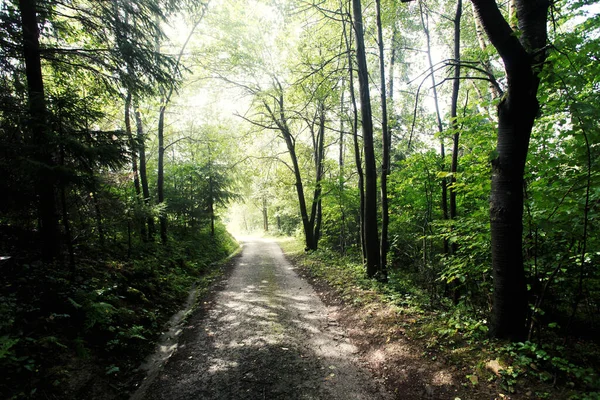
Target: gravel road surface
[265,335]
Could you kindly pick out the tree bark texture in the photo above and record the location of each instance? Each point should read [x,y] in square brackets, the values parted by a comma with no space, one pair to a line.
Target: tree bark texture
[370,212]
[134,161]
[38,124]
[523,57]
[454,114]
[319,157]
[141,139]
[386,147]
[341,175]
[357,155]
[160,180]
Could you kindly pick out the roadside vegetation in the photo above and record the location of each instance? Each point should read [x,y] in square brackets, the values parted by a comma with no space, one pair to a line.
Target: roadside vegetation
[83,334]
[457,335]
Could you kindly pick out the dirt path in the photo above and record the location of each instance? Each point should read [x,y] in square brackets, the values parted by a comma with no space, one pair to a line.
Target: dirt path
[266,335]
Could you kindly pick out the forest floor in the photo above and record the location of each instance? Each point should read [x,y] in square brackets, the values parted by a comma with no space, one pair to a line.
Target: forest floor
[267,333]
[264,334]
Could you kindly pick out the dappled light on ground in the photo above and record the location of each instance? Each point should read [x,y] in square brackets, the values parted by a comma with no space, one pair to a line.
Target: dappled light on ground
[266,335]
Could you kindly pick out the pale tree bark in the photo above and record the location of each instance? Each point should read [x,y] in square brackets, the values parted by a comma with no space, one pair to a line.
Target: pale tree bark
[523,56]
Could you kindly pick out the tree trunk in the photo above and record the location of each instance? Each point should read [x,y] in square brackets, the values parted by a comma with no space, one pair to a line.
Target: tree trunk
[341,175]
[454,113]
[456,135]
[357,155]
[141,138]
[523,58]
[45,178]
[280,120]
[165,99]
[370,215]
[265,214]
[160,180]
[319,156]
[308,228]
[385,163]
[134,163]
[211,205]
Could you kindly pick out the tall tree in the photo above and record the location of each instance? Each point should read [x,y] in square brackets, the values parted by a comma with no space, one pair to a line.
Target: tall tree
[523,55]
[355,141]
[371,236]
[386,144]
[454,113]
[143,170]
[277,114]
[166,95]
[39,127]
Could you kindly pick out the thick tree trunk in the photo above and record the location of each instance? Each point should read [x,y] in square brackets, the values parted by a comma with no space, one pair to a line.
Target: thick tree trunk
[132,145]
[357,155]
[506,215]
[523,58]
[370,215]
[38,124]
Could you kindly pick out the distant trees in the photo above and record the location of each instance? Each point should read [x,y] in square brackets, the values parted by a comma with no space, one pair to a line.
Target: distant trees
[69,62]
[458,243]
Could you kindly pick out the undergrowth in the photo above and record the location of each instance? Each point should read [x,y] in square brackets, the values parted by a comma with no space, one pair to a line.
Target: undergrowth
[62,327]
[557,368]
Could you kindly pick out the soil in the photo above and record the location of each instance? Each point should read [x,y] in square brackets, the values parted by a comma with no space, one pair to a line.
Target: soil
[265,335]
[271,331]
